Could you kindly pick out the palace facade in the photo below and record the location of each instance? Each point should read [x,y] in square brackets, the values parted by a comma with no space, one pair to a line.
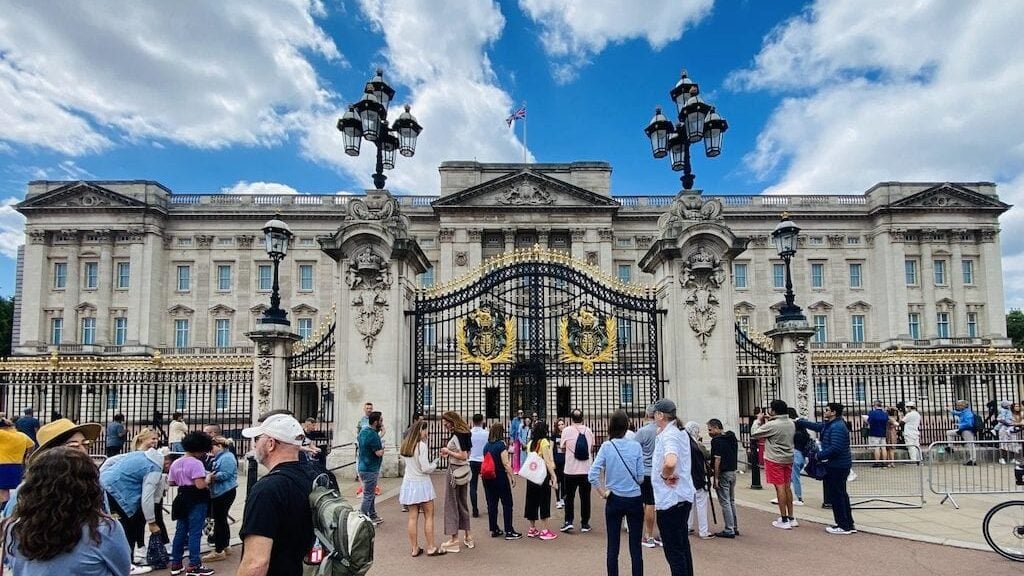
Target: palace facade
[130,267]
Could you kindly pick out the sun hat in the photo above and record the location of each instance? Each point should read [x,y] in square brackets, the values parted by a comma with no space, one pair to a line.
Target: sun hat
[57,432]
[281,427]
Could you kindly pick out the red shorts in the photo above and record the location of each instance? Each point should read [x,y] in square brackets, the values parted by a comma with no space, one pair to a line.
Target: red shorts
[777,474]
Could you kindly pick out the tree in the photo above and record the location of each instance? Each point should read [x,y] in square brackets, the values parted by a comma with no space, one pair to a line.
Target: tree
[1015,327]
[6,325]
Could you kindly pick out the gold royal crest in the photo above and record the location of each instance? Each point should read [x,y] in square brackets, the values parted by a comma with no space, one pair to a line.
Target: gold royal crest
[485,337]
[583,341]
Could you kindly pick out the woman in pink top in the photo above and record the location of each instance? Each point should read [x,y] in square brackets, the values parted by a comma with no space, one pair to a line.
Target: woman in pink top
[189,506]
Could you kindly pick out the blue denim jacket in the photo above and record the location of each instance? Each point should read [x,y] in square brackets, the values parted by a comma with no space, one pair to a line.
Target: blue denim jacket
[122,477]
[226,466]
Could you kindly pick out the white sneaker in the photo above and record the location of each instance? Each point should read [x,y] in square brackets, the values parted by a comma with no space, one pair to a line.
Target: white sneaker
[798,502]
[139,570]
[1002,460]
[838,530]
[780,523]
[648,543]
[774,501]
[560,504]
[794,523]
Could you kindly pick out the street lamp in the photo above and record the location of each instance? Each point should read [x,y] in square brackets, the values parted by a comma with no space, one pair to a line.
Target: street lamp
[276,234]
[785,238]
[367,120]
[697,120]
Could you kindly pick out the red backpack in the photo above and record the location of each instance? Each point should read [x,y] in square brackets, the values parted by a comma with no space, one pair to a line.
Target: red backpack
[487,471]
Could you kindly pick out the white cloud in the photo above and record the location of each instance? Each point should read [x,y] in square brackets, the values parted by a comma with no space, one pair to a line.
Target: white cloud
[573,30]
[12,228]
[876,91]
[74,77]
[437,61]
[246,187]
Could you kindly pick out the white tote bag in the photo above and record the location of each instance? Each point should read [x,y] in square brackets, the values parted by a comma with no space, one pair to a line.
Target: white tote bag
[534,468]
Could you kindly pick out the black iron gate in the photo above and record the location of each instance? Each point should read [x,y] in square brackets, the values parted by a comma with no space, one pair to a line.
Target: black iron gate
[311,372]
[535,331]
[757,379]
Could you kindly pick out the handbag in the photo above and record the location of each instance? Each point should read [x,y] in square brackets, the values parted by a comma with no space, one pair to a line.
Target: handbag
[534,469]
[814,467]
[156,553]
[460,474]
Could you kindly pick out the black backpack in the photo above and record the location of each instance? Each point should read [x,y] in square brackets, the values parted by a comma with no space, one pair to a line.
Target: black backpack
[978,425]
[581,451]
[698,466]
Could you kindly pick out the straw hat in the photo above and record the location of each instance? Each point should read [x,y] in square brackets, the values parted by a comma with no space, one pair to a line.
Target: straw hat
[57,432]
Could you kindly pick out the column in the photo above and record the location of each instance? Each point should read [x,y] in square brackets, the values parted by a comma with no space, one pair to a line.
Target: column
[141,270]
[605,236]
[929,327]
[105,289]
[475,248]
[994,319]
[72,329]
[579,247]
[36,281]
[510,239]
[956,285]
[445,272]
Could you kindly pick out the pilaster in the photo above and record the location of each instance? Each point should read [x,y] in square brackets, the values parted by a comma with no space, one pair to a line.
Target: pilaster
[794,366]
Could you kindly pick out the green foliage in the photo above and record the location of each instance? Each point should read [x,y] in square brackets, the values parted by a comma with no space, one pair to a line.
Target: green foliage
[1015,327]
[6,324]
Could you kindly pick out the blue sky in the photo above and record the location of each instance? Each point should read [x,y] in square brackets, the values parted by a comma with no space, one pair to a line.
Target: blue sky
[821,97]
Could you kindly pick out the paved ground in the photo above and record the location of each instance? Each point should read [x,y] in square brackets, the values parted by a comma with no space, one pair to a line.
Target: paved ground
[762,549]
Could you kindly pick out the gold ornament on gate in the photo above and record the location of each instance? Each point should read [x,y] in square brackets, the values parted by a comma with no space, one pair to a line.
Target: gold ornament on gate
[587,337]
[485,337]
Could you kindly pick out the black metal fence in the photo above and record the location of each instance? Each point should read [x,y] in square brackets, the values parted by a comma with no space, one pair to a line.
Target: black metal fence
[757,377]
[311,374]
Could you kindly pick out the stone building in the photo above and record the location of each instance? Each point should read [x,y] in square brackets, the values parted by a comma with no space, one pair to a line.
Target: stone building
[130,267]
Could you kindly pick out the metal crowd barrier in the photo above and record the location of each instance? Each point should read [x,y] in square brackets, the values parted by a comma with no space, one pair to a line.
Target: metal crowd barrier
[896,482]
[948,475]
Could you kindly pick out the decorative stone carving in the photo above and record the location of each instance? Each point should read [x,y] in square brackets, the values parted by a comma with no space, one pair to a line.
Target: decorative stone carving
[475,234]
[688,207]
[445,234]
[644,242]
[760,240]
[592,258]
[802,360]
[264,376]
[461,258]
[988,235]
[836,240]
[368,271]
[932,235]
[898,235]
[37,236]
[369,310]
[379,206]
[510,235]
[87,200]
[703,275]
[204,240]
[525,193]
[578,234]
[245,241]
[939,200]
[605,234]
[542,236]
[136,235]
[168,241]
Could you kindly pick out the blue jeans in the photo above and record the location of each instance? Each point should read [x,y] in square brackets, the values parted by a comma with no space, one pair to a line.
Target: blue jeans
[190,527]
[672,525]
[632,509]
[369,480]
[798,465]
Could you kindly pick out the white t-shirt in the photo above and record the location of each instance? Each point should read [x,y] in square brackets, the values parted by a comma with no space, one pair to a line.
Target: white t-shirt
[478,435]
[911,423]
[672,440]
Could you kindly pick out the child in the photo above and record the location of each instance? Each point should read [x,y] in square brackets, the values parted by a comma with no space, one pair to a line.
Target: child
[189,506]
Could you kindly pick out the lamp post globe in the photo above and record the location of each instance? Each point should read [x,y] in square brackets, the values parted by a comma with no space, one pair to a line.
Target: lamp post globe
[785,237]
[276,235]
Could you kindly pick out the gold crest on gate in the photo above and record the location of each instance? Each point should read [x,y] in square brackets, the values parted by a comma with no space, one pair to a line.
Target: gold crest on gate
[485,337]
[587,337]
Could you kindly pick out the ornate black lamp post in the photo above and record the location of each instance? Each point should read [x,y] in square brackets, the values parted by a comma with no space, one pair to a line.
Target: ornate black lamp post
[785,238]
[698,121]
[368,119]
[277,234]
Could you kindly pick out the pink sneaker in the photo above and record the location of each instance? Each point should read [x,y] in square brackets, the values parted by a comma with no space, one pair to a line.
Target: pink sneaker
[532,533]
[547,535]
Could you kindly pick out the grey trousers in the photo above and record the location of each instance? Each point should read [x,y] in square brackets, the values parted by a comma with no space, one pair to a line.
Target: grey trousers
[727,499]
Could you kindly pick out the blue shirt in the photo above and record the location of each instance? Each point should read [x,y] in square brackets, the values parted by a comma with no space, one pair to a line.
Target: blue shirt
[226,466]
[878,420]
[369,443]
[115,434]
[28,425]
[111,557]
[966,417]
[623,464]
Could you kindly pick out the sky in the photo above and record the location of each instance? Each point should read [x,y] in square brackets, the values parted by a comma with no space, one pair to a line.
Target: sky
[826,97]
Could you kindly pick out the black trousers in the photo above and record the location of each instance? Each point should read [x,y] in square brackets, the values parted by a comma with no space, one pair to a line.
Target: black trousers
[837,495]
[219,507]
[632,509]
[572,483]
[672,525]
[134,526]
[114,451]
[474,468]
[496,491]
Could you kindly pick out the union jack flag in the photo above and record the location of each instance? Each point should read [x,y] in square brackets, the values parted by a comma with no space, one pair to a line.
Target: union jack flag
[517,115]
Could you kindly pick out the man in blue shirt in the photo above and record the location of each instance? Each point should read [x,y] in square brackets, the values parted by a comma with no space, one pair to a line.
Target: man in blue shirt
[964,431]
[878,421]
[371,454]
[28,425]
[116,435]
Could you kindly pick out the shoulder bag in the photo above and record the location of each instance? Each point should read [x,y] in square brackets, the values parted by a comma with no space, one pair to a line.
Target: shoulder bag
[534,469]
[458,469]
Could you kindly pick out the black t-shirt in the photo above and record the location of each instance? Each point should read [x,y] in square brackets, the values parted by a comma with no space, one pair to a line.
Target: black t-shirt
[278,508]
[725,447]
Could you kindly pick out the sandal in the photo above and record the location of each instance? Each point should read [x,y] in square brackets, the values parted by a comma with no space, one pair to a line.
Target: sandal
[437,552]
[418,552]
[470,543]
[451,547]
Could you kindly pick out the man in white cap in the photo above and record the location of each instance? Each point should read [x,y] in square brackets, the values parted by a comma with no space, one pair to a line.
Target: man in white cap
[277,525]
[912,430]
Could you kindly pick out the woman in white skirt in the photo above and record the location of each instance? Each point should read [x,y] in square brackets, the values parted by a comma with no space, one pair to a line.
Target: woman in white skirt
[417,490]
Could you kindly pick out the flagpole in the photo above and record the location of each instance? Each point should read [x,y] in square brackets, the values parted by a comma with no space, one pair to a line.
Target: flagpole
[524,134]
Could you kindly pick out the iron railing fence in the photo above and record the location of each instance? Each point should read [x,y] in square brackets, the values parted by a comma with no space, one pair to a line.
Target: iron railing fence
[311,375]
[757,378]
[881,482]
[147,391]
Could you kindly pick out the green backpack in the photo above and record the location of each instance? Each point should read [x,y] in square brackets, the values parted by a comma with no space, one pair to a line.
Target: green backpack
[346,535]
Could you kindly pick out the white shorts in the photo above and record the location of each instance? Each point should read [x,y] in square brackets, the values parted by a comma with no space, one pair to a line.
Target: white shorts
[876,441]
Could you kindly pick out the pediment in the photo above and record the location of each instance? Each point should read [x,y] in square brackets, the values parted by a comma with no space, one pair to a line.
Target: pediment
[259,309]
[744,306]
[948,196]
[525,189]
[221,309]
[180,310]
[820,305]
[82,196]
[85,307]
[303,309]
[859,305]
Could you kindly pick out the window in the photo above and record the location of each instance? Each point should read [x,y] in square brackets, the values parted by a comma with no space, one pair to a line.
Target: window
[120,331]
[56,330]
[821,392]
[181,333]
[972,324]
[820,328]
[816,240]
[857,328]
[625,393]
[428,394]
[92,275]
[124,275]
[224,277]
[180,399]
[184,278]
[88,330]
[968,269]
[624,242]
[940,272]
[914,325]
[306,277]
[739,275]
[860,391]
[853,240]
[817,275]
[625,332]
[856,281]
[427,279]
[112,398]
[625,273]
[60,275]
[223,398]
[223,332]
[942,324]
[779,275]
[744,321]
[265,280]
[305,327]
[910,272]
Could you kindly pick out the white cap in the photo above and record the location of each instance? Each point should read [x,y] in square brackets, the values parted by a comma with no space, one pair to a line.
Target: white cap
[280,427]
[910,404]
